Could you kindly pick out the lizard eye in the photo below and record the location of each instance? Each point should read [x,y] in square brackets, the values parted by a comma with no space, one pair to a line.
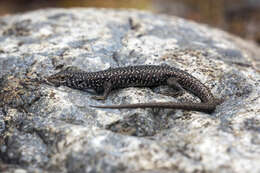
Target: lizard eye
[62,78]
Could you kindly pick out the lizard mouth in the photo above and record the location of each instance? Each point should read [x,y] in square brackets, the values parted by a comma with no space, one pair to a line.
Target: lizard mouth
[52,81]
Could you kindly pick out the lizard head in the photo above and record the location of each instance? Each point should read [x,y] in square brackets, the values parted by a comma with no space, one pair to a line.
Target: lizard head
[61,78]
[57,79]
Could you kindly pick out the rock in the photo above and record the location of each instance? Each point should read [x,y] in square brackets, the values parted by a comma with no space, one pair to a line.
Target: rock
[52,129]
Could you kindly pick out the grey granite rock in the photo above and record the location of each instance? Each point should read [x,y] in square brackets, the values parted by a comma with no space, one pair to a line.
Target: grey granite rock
[49,129]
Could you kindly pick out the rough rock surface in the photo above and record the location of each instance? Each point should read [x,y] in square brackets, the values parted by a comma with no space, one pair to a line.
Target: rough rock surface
[49,129]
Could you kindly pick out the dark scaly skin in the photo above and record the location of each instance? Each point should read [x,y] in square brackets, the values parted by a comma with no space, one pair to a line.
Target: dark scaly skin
[138,76]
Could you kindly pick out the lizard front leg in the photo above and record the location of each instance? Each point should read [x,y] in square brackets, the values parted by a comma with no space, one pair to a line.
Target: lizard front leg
[107,88]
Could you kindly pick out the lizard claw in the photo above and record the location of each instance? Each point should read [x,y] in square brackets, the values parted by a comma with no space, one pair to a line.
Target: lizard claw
[98,97]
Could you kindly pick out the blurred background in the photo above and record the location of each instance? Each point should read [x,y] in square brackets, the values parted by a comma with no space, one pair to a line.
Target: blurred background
[240,17]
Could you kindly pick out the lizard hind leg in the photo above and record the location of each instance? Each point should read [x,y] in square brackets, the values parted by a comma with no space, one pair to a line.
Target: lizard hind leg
[173,83]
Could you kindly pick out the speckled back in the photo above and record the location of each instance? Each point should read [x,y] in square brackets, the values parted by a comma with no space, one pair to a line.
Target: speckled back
[122,77]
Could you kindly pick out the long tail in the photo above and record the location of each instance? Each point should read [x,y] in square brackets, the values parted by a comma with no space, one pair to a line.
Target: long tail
[203,107]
